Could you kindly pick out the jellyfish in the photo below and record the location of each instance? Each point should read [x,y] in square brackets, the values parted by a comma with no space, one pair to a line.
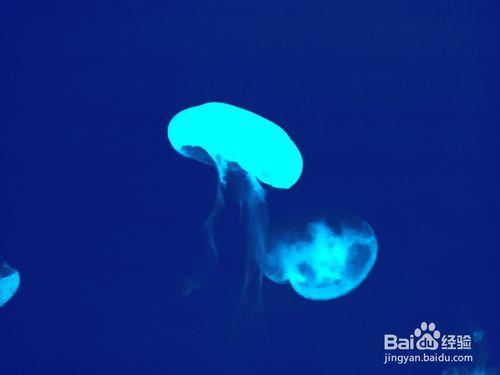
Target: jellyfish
[9,283]
[246,150]
[252,154]
[326,262]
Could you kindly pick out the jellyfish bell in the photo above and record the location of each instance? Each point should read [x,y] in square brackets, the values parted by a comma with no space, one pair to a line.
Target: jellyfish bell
[9,282]
[229,134]
[324,262]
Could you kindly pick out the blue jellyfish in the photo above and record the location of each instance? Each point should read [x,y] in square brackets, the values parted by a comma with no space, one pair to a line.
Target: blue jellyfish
[9,282]
[326,262]
[246,150]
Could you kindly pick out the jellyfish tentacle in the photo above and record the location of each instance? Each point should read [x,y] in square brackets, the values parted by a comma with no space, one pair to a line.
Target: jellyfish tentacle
[251,197]
[209,261]
[208,225]
[256,224]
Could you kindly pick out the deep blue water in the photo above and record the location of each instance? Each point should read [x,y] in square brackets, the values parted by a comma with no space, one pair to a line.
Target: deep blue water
[393,104]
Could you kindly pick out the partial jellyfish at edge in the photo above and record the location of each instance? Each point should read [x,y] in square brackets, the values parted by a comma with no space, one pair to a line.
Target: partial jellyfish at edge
[9,282]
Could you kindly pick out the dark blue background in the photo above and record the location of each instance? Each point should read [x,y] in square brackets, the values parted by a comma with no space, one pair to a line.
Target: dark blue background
[393,104]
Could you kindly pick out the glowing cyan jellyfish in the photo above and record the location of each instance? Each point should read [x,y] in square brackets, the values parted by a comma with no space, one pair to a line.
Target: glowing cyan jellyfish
[326,262]
[9,282]
[247,151]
